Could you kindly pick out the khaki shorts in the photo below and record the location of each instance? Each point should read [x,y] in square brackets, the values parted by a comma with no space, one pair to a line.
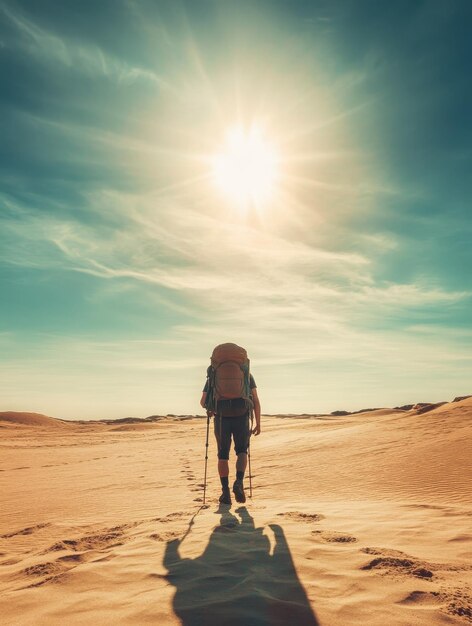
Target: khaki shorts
[235,427]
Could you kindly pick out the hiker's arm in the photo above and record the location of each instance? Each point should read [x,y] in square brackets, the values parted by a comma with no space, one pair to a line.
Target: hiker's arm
[202,402]
[257,412]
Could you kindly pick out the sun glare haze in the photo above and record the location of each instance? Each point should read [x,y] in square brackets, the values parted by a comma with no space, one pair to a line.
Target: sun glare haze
[246,169]
[282,175]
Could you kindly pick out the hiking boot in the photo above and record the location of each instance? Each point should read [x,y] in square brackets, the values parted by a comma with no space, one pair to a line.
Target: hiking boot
[225,497]
[238,490]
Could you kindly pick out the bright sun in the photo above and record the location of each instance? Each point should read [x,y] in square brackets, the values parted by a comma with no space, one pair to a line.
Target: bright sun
[246,169]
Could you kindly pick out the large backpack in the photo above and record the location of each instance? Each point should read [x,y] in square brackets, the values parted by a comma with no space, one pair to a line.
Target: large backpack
[229,390]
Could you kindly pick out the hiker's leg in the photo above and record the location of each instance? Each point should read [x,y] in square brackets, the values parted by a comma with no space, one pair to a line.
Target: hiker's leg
[241,443]
[241,462]
[223,468]
[223,440]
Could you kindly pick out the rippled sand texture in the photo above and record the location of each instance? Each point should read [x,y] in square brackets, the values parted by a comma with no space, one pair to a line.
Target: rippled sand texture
[358,519]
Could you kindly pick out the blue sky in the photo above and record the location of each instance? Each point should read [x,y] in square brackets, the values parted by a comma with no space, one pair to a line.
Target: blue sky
[122,265]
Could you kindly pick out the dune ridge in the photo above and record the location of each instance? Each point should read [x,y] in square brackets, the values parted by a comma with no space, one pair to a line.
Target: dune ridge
[38,419]
[22,418]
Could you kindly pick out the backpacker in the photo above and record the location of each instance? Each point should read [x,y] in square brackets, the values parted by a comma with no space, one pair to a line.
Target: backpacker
[229,391]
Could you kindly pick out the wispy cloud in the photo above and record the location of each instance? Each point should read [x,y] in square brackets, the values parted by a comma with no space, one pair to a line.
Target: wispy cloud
[217,264]
[52,48]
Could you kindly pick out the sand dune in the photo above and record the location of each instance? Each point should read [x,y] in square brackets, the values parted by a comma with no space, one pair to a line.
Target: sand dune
[355,519]
[30,419]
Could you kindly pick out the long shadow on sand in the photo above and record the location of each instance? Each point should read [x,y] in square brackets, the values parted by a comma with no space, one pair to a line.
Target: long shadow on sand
[236,580]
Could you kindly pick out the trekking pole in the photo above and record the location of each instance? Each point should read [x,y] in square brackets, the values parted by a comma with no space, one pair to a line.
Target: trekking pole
[249,454]
[206,457]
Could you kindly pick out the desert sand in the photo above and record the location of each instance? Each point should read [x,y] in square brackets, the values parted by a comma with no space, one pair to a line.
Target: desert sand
[355,519]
